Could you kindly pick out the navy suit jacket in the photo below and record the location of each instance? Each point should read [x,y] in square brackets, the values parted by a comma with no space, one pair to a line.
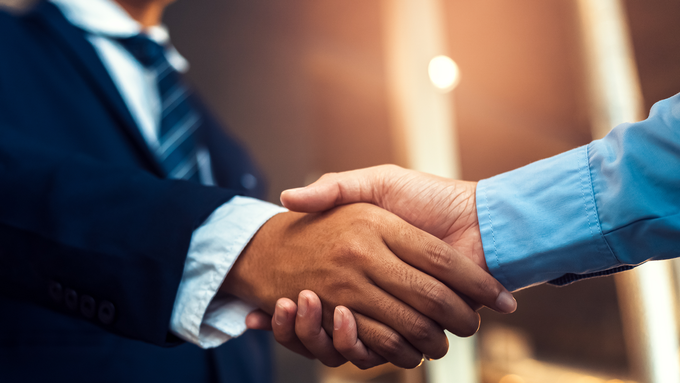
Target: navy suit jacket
[93,238]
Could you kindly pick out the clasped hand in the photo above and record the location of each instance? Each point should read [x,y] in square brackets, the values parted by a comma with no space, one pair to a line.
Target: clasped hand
[391,281]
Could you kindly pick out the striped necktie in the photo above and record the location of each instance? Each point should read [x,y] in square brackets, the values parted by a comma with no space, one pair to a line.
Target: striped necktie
[177,150]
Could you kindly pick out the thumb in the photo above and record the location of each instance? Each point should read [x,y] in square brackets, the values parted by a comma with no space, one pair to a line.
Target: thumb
[334,189]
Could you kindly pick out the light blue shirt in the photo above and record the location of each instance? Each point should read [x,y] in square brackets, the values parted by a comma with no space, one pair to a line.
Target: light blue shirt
[590,211]
[198,316]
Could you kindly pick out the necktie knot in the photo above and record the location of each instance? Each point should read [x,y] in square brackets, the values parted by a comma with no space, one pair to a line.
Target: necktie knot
[148,52]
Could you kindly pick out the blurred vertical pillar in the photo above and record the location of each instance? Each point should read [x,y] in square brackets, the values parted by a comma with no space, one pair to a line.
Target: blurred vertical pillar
[646,294]
[421,115]
[422,119]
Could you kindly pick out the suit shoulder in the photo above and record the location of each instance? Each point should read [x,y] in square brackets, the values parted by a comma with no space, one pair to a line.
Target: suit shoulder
[8,21]
[15,19]
[13,27]
[20,31]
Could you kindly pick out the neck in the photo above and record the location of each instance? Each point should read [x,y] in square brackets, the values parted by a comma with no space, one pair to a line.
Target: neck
[146,12]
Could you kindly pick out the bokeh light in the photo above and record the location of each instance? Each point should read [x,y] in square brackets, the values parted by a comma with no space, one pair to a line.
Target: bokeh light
[444,73]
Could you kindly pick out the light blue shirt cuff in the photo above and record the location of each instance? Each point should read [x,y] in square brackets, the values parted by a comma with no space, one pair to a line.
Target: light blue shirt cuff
[540,222]
[197,317]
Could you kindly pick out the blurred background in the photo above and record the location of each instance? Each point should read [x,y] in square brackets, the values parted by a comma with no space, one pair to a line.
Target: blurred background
[318,86]
[309,86]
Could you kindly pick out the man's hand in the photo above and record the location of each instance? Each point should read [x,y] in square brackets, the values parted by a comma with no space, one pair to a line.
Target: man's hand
[442,207]
[360,256]
[294,329]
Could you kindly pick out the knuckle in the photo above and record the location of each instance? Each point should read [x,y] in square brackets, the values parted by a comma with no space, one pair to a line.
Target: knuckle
[435,297]
[344,348]
[421,329]
[304,333]
[439,255]
[394,349]
[432,338]
[391,345]
[369,215]
[341,285]
[349,249]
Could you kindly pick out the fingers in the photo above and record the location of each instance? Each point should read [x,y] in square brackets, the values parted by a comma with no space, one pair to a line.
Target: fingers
[420,332]
[300,330]
[310,332]
[259,320]
[428,296]
[434,258]
[347,342]
[443,262]
[334,189]
[386,342]
[283,326]
[380,342]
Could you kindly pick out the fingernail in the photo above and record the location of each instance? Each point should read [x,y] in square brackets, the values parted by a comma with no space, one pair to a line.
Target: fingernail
[293,190]
[279,316]
[302,305]
[506,302]
[337,318]
[283,194]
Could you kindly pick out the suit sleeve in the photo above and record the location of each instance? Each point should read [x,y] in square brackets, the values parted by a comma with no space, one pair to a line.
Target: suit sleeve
[595,210]
[119,235]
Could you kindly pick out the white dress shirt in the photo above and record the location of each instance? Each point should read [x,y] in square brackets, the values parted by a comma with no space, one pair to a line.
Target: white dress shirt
[197,316]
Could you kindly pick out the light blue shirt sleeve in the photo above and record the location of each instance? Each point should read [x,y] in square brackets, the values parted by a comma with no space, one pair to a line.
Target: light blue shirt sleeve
[595,210]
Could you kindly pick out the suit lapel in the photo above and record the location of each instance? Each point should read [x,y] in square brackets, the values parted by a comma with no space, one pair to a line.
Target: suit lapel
[87,61]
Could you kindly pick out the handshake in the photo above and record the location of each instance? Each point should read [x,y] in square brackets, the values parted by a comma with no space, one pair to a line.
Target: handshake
[387,260]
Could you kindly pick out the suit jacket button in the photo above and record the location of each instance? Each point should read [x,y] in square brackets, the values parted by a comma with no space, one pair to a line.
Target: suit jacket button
[87,306]
[56,292]
[71,299]
[107,312]
[248,181]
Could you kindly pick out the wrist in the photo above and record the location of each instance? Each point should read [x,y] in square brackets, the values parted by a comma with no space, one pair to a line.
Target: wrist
[477,246]
[246,277]
[260,274]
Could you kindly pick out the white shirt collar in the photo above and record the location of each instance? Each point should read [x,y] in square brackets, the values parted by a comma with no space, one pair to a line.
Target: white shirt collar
[107,18]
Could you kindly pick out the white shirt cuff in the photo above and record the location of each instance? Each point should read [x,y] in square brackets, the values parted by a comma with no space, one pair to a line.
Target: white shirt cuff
[215,246]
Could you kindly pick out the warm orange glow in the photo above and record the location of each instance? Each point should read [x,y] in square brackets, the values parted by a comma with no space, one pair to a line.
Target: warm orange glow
[512,378]
[444,73]
[589,379]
